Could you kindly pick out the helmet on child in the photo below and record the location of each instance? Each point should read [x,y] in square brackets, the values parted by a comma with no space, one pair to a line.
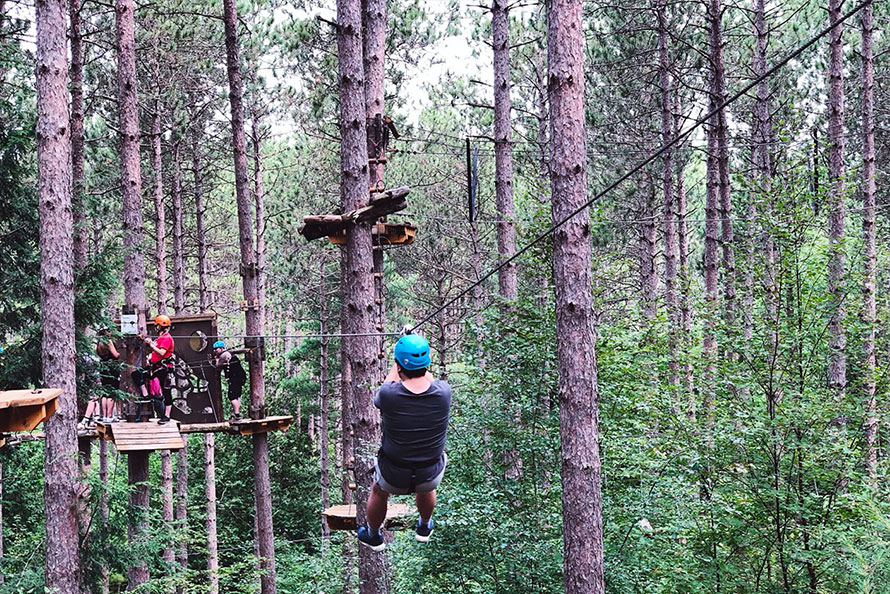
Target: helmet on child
[219,344]
[412,352]
[162,321]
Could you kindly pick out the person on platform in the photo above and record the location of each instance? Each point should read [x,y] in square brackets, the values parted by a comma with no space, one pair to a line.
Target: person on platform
[230,366]
[109,375]
[414,410]
[160,366]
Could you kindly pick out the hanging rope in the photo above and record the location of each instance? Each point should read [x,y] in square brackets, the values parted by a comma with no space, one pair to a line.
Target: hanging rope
[664,148]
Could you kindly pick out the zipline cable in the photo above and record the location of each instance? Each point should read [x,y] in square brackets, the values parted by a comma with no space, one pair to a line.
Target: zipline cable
[676,140]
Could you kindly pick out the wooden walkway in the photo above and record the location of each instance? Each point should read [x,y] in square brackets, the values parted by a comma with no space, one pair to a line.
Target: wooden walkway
[142,437]
[342,517]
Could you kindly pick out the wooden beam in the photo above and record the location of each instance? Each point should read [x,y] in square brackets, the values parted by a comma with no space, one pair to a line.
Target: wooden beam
[342,517]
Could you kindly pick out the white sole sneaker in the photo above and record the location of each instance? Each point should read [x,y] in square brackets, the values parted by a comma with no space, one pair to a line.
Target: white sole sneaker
[420,538]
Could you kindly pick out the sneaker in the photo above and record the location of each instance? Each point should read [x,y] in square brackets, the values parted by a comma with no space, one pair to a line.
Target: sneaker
[374,541]
[163,420]
[235,417]
[423,532]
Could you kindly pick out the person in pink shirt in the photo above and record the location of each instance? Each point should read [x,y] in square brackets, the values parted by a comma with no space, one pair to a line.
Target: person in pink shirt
[160,366]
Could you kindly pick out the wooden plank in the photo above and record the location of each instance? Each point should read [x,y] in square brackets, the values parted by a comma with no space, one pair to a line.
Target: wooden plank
[264,425]
[17,398]
[207,428]
[342,517]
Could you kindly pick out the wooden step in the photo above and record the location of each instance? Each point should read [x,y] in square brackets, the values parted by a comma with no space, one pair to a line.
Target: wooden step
[141,437]
[342,517]
[22,410]
[264,425]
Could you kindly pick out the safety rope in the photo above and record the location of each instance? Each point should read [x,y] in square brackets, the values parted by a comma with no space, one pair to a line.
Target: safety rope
[664,148]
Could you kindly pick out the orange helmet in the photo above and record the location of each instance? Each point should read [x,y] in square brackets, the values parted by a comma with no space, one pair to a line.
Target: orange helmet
[162,321]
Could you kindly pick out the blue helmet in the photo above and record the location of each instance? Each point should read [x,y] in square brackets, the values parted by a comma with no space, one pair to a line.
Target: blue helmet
[219,344]
[412,352]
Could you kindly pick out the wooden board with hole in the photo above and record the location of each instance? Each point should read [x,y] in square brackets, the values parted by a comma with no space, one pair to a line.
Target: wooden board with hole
[22,410]
[264,425]
[142,437]
[342,517]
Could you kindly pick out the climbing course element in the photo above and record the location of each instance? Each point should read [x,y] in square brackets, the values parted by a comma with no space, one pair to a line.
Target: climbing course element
[381,204]
[142,437]
[264,425]
[383,234]
[342,517]
[22,410]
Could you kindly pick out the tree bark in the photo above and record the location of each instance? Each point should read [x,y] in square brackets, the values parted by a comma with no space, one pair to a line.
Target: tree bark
[358,291]
[323,443]
[712,230]
[868,232]
[254,326]
[200,232]
[503,151]
[259,194]
[578,393]
[160,211]
[167,503]
[667,186]
[683,275]
[837,342]
[210,500]
[178,234]
[182,484]
[57,295]
[647,250]
[134,268]
[104,574]
[78,175]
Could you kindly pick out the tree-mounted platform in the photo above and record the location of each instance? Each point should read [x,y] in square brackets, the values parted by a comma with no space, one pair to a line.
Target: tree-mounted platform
[22,410]
[264,425]
[382,204]
[142,437]
[342,517]
[383,234]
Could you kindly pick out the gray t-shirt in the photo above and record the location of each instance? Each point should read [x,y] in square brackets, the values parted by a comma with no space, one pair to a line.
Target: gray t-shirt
[414,425]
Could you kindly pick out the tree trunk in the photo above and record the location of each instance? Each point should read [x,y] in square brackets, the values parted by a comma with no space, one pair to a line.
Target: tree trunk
[160,214]
[104,575]
[712,230]
[576,354]
[78,175]
[323,432]
[683,253]
[837,342]
[200,232]
[167,504]
[868,232]
[503,151]
[178,239]
[358,291]
[667,185]
[259,199]
[210,500]
[648,246]
[57,295]
[134,269]
[254,326]
[182,485]
[347,434]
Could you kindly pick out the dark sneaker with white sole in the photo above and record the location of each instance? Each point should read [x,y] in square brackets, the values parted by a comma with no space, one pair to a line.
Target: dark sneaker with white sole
[372,541]
[423,531]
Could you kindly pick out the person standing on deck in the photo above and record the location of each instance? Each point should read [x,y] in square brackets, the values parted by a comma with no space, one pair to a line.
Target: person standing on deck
[160,366]
[231,368]
[414,410]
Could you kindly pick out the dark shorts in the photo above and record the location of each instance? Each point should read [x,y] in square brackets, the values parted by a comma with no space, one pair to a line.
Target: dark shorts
[235,391]
[157,370]
[402,484]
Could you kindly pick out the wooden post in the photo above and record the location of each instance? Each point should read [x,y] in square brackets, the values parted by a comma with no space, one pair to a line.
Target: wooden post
[105,585]
[323,444]
[167,503]
[137,476]
[210,502]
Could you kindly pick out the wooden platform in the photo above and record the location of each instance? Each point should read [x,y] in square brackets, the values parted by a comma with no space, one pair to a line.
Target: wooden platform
[342,517]
[384,234]
[264,425]
[381,204]
[22,410]
[142,437]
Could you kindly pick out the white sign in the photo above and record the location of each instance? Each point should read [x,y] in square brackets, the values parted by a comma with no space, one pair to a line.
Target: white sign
[129,324]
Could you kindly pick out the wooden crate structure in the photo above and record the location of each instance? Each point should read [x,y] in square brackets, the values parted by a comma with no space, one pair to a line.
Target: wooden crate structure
[142,437]
[342,517]
[383,234]
[22,410]
[264,425]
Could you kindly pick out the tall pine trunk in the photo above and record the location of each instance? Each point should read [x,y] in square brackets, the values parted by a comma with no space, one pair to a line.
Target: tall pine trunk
[160,213]
[667,188]
[182,479]
[178,233]
[57,296]
[259,197]
[578,394]
[503,150]
[868,232]
[324,397]
[134,268]
[358,289]
[78,171]
[200,231]
[210,506]
[254,326]
[683,273]
[837,342]
[167,504]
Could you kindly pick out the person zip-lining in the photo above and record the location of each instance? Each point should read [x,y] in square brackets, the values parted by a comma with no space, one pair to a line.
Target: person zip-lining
[160,366]
[231,368]
[414,410]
